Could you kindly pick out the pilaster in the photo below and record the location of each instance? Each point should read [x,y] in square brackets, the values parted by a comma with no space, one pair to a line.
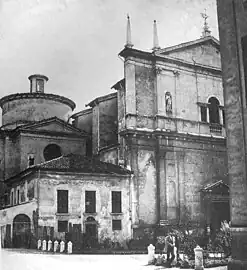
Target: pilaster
[130,94]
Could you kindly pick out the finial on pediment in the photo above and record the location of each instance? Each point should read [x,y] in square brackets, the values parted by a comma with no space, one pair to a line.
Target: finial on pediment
[128,34]
[155,37]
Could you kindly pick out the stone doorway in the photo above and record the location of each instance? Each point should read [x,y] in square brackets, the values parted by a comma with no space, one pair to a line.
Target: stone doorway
[91,233]
[220,212]
[216,207]
[21,231]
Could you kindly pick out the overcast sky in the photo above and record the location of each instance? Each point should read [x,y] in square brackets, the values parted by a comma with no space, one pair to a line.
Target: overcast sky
[76,42]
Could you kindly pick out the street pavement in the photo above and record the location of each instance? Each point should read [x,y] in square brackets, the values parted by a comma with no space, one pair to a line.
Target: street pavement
[28,260]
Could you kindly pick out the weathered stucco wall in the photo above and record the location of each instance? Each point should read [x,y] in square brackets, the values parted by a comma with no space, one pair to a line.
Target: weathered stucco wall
[185,167]
[147,186]
[145,95]
[34,110]
[206,54]
[12,156]
[84,121]
[77,185]
[110,155]
[121,109]
[7,216]
[187,89]
[36,144]
[95,130]
[108,117]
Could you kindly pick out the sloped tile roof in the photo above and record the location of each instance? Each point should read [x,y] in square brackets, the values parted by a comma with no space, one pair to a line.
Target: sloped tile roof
[83,164]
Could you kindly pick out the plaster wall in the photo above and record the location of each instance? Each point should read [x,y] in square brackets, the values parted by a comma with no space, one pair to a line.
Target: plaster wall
[35,144]
[77,185]
[33,110]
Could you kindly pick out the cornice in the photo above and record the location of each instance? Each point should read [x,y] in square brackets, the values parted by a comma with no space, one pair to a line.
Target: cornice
[156,134]
[109,147]
[129,52]
[36,95]
[101,99]
[80,113]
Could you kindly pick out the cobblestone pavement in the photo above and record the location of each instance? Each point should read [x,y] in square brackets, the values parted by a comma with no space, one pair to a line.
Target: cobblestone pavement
[32,260]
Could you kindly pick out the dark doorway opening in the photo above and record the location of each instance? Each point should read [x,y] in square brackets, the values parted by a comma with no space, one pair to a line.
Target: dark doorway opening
[21,231]
[91,233]
[220,213]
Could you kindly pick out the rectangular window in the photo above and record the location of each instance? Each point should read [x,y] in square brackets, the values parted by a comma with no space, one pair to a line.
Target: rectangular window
[244,50]
[116,202]
[62,226]
[203,114]
[116,225]
[62,201]
[90,201]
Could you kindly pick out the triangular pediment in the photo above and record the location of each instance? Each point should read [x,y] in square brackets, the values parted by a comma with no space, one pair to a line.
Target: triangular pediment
[204,51]
[55,125]
[218,187]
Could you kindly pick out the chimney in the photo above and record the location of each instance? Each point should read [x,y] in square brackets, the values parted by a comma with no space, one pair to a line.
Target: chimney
[37,83]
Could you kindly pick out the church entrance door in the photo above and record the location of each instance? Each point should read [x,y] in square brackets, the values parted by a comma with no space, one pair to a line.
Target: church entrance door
[220,213]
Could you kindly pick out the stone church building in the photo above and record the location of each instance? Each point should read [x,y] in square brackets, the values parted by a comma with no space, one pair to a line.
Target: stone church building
[150,154]
[53,190]
[165,122]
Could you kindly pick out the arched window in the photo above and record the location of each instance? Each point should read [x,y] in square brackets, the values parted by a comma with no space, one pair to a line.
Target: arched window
[214,116]
[52,151]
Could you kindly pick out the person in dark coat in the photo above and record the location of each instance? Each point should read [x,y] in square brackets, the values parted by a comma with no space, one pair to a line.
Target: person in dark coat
[170,248]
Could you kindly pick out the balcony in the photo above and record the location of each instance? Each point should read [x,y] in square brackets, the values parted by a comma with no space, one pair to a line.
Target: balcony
[215,128]
[164,123]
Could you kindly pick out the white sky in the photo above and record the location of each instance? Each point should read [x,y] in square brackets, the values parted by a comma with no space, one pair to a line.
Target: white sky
[76,42]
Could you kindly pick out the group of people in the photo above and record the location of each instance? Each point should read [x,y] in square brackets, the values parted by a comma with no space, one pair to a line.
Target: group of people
[171,247]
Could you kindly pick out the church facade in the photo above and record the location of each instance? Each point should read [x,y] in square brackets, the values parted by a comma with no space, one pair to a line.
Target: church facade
[166,124]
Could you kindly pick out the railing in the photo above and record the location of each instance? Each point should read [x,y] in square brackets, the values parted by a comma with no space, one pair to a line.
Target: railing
[215,128]
[164,123]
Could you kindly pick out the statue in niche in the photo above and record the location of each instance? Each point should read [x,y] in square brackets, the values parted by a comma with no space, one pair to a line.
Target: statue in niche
[168,99]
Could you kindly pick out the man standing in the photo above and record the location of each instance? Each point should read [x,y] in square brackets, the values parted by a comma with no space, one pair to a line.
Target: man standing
[170,248]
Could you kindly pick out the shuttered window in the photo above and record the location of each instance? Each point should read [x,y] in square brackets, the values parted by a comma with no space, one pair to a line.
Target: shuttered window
[116,202]
[62,201]
[116,225]
[90,202]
